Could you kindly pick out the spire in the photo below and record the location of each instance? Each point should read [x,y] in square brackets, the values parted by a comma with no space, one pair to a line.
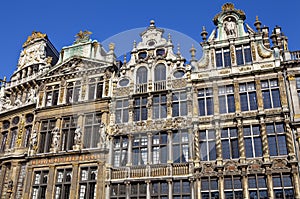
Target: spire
[193,52]
[204,33]
[257,24]
[178,50]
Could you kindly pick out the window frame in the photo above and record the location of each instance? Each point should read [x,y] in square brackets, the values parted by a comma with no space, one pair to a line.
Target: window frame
[183,144]
[254,137]
[227,105]
[91,138]
[69,124]
[179,103]
[249,92]
[39,184]
[160,109]
[140,149]
[89,183]
[122,112]
[45,139]
[204,141]
[270,93]
[280,150]
[65,184]
[140,108]
[232,139]
[205,100]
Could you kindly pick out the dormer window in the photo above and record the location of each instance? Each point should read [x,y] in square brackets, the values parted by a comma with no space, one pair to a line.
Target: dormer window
[160,52]
[243,55]
[223,59]
[142,55]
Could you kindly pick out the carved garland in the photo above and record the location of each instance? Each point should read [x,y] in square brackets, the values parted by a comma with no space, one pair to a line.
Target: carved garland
[232,55]
[206,61]
[261,54]
[253,51]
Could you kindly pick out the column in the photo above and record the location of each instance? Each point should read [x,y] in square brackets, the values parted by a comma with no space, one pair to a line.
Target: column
[129,152]
[282,91]
[237,96]
[51,182]
[75,169]
[195,142]
[107,190]
[290,141]
[221,187]
[241,141]
[111,150]
[198,187]
[149,134]
[170,188]
[218,144]
[101,177]
[127,183]
[245,183]
[192,188]
[216,97]
[269,183]
[295,177]
[264,137]
[170,145]
[148,189]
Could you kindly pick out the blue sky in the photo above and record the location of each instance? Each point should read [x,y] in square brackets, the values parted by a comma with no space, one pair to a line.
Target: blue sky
[61,20]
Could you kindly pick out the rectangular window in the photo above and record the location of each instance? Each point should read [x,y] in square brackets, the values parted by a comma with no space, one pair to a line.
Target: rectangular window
[223,58]
[120,151]
[179,105]
[257,187]
[40,184]
[226,99]
[159,190]
[63,183]
[122,111]
[276,139]
[88,182]
[45,135]
[52,95]
[138,190]
[180,146]
[233,187]
[91,130]
[252,139]
[140,108]
[248,99]
[69,125]
[73,92]
[181,189]
[270,92]
[159,106]
[209,188]
[13,137]
[3,141]
[243,55]
[205,101]
[118,191]
[139,150]
[95,89]
[207,144]
[283,186]
[159,148]
[230,145]
[28,130]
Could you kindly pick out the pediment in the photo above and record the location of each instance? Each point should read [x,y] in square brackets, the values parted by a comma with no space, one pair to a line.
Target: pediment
[76,65]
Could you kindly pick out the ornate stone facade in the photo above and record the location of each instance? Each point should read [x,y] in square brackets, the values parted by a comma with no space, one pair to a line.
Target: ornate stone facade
[81,124]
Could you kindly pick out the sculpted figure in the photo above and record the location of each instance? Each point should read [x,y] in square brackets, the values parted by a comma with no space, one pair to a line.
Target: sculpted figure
[77,137]
[31,96]
[55,137]
[102,132]
[33,140]
[230,27]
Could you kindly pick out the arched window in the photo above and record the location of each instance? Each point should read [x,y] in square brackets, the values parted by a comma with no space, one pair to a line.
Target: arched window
[141,75]
[160,77]
[141,80]
[160,72]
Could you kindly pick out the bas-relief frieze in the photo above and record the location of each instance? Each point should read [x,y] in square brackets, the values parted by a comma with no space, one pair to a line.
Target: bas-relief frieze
[66,159]
[123,91]
[179,83]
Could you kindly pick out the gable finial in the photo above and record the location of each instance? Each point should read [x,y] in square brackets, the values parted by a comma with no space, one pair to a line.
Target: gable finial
[152,23]
[257,24]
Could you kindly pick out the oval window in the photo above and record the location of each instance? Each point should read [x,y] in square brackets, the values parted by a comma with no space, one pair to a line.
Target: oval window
[178,74]
[124,82]
[5,124]
[160,52]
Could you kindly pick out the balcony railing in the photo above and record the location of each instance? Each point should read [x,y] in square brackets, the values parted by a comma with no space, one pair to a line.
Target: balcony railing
[159,85]
[295,55]
[156,170]
[141,88]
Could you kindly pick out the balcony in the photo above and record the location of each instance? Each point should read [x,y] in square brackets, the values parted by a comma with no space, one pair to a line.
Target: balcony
[141,88]
[146,171]
[159,85]
[290,56]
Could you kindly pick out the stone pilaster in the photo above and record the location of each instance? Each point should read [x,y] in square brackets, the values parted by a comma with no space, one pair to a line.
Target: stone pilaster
[282,91]
[295,177]
[259,96]
[221,187]
[74,182]
[170,187]
[216,97]
[51,182]
[148,189]
[270,184]
[2,178]
[27,184]
[196,146]
[169,105]
[111,151]
[289,141]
